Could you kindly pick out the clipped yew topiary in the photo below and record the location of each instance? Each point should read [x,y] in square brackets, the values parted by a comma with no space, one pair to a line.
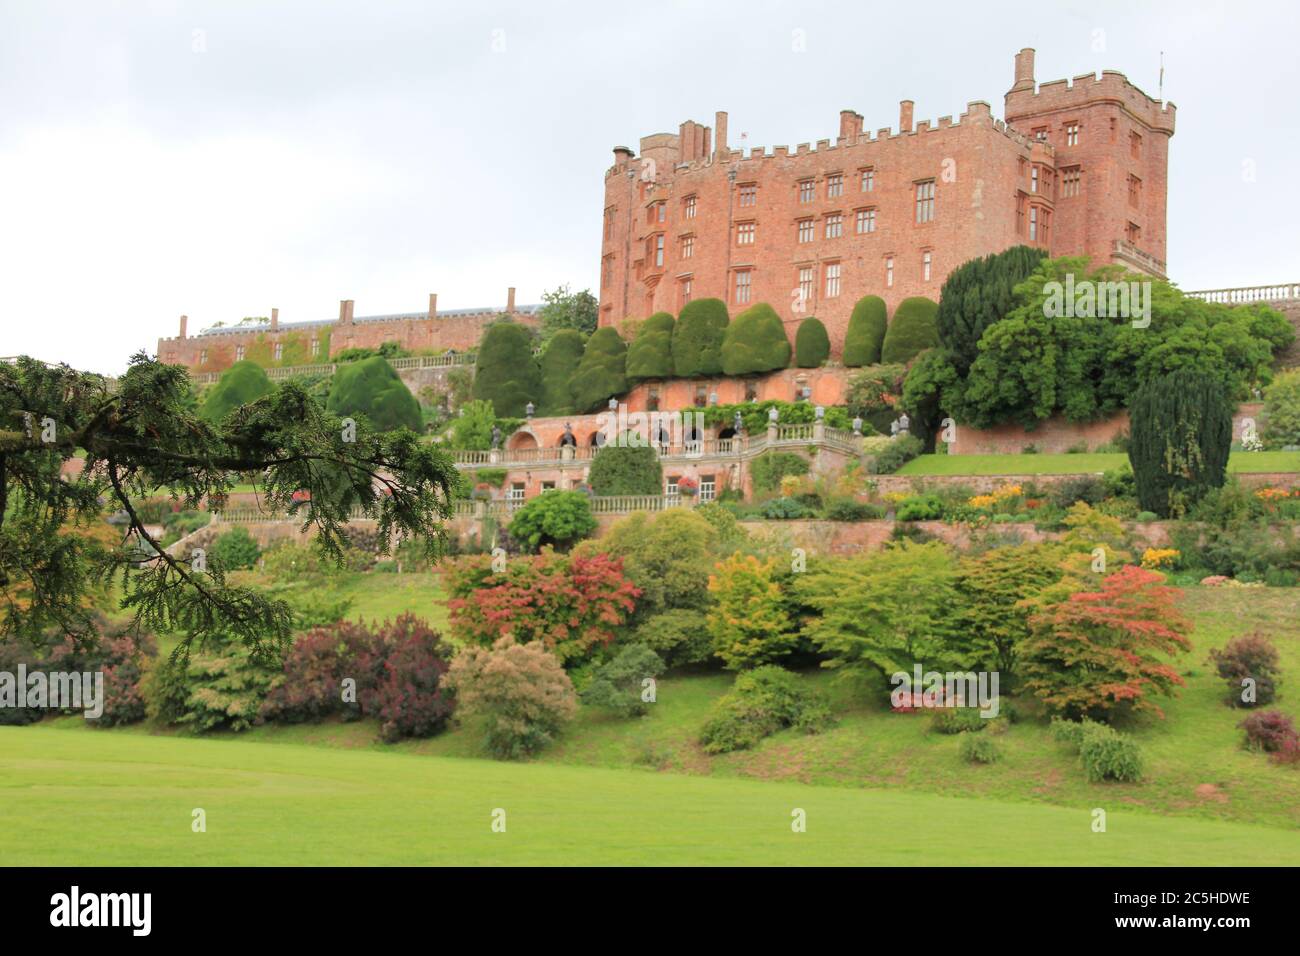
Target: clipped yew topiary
[755,342]
[651,353]
[371,389]
[602,373]
[697,338]
[624,469]
[561,357]
[914,329]
[812,346]
[505,371]
[978,293]
[242,383]
[1180,434]
[866,331]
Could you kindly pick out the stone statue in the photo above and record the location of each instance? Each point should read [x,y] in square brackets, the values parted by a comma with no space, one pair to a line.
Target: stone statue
[567,438]
[496,436]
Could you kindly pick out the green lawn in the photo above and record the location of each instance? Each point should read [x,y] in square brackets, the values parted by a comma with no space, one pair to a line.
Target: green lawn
[102,798]
[1240,463]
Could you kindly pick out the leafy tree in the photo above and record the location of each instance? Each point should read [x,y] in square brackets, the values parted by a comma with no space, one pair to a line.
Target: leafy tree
[913,330]
[750,625]
[812,346]
[144,440]
[995,589]
[621,468]
[602,373]
[241,384]
[882,613]
[866,332]
[667,555]
[1180,436]
[1282,411]
[562,309]
[559,519]
[619,685]
[697,338]
[977,294]
[679,636]
[1098,652]
[570,604]
[559,358]
[651,353]
[517,694]
[929,383]
[755,342]
[505,372]
[371,388]
[471,430]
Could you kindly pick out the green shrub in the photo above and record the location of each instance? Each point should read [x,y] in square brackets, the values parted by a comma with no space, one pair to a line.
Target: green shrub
[1107,754]
[557,518]
[1282,410]
[846,509]
[784,509]
[235,550]
[219,689]
[624,469]
[895,455]
[913,330]
[767,470]
[372,389]
[956,720]
[979,748]
[866,332]
[651,353]
[928,507]
[241,384]
[680,636]
[762,701]
[505,371]
[697,338]
[812,346]
[755,342]
[602,373]
[1147,516]
[561,356]
[620,686]
[1069,731]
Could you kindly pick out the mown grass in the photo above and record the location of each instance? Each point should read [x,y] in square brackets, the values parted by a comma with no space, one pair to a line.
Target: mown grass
[1092,462]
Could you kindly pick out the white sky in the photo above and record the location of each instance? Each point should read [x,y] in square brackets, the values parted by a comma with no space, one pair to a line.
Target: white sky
[292,154]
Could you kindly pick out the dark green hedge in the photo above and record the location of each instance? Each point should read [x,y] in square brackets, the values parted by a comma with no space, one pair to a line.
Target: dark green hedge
[978,293]
[1180,435]
[602,374]
[866,331]
[242,383]
[371,389]
[755,342]
[626,470]
[505,371]
[559,360]
[697,338]
[651,353]
[812,346]
[914,329]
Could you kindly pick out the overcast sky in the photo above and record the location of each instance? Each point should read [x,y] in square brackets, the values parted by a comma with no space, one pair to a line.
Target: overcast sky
[220,158]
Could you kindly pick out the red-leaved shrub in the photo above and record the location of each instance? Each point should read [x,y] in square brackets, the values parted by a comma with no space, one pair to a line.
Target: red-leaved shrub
[1250,657]
[1272,732]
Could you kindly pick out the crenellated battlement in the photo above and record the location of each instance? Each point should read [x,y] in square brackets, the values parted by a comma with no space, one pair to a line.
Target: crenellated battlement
[1087,89]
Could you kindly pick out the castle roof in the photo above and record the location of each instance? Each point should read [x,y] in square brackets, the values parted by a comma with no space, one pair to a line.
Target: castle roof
[360,319]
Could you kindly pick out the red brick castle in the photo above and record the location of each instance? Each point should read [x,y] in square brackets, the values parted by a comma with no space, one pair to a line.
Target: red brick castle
[1077,167]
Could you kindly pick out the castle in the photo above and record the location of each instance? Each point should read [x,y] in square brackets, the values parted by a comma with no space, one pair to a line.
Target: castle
[1077,168]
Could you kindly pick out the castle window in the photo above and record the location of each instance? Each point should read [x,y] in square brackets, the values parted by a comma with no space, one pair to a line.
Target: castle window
[889,272]
[1134,233]
[745,233]
[1033,223]
[1033,179]
[834,225]
[1045,226]
[203,357]
[1135,145]
[805,230]
[671,491]
[1070,180]
[1072,134]
[866,221]
[701,396]
[751,390]
[279,351]
[868,179]
[708,488]
[686,290]
[1134,191]
[1040,134]
[807,190]
[925,201]
[834,185]
[609,269]
[832,279]
[315,348]
[749,194]
[659,250]
[688,246]
[742,286]
[652,399]
[806,280]
[1020,214]
[239,353]
[609,222]
[926,260]
[515,496]
[689,207]
[661,211]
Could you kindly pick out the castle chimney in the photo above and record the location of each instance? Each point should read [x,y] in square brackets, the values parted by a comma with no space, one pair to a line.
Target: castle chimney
[275,319]
[905,116]
[622,156]
[185,319]
[351,305]
[343,311]
[510,300]
[720,134]
[1024,70]
[433,305]
[850,125]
